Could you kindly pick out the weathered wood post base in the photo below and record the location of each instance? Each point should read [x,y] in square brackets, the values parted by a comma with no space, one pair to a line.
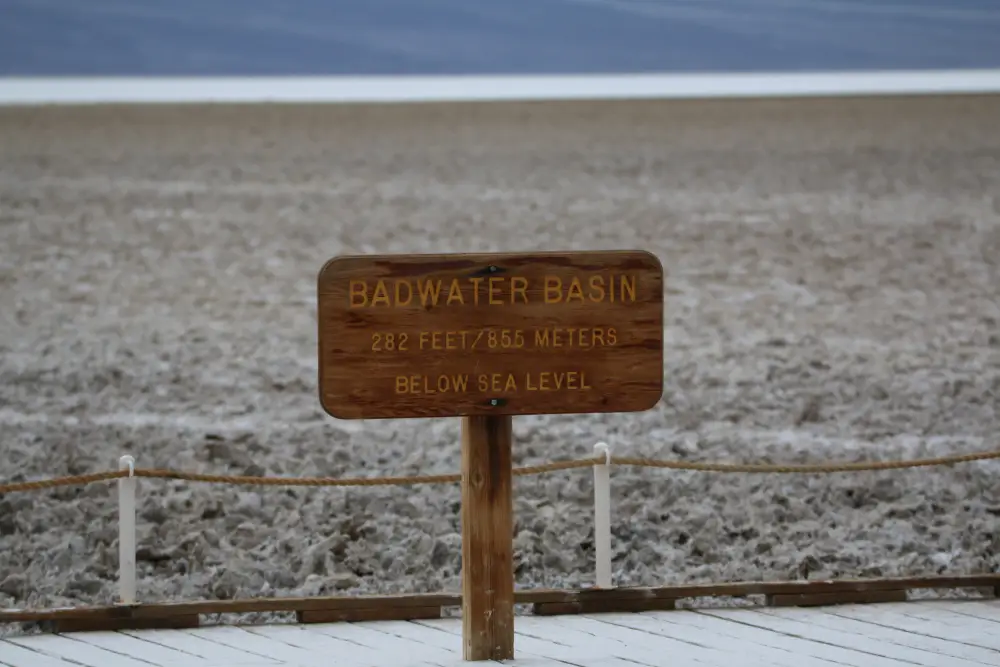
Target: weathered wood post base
[487,539]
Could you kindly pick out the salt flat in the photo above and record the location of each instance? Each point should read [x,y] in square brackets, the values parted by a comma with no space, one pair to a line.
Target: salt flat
[832,272]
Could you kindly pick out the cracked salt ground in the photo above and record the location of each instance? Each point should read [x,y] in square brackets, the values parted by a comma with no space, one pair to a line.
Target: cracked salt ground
[831,293]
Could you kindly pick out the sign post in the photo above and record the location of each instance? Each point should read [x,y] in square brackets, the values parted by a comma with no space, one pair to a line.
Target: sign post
[487,539]
[485,337]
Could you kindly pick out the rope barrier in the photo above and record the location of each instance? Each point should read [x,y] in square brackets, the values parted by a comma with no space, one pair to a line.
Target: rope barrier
[246,480]
[806,467]
[72,480]
[249,480]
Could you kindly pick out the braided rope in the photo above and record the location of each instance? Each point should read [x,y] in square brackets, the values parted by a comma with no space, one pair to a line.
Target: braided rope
[72,480]
[252,480]
[805,467]
[249,480]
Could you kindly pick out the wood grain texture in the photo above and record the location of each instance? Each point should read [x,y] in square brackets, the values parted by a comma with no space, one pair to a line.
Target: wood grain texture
[140,612]
[599,606]
[487,539]
[841,597]
[106,624]
[372,614]
[490,334]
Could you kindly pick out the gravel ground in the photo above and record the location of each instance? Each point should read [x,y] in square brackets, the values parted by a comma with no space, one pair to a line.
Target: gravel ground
[832,295]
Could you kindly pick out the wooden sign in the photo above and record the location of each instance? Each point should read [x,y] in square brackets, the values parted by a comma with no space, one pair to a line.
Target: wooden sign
[490,334]
[485,337]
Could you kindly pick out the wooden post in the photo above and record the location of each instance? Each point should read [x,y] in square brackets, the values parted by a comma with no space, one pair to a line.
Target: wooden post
[126,531]
[487,539]
[602,518]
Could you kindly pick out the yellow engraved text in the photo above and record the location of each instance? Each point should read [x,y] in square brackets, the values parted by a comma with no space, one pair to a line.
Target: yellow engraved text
[582,338]
[471,339]
[492,291]
[598,289]
[390,342]
[446,340]
[496,383]
[426,384]
[459,340]
[556,381]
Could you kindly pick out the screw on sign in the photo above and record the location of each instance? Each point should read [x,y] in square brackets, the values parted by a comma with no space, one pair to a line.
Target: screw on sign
[485,337]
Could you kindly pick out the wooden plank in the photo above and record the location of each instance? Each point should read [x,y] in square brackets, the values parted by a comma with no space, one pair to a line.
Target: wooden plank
[654,645]
[341,653]
[490,334]
[487,539]
[712,641]
[98,624]
[739,589]
[553,648]
[280,652]
[376,614]
[893,617]
[423,634]
[801,626]
[13,655]
[203,648]
[984,609]
[256,605]
[748,634]
[546,596]
[155,654]
[842,597]
[742,589]
[252,605]
[569,634]
[527,647]
[75,651]
[950,619]
[438,638]
[958,610]
[935,613]
[827,643]
[587,660]
[399,649]
[605,605]
[960,654]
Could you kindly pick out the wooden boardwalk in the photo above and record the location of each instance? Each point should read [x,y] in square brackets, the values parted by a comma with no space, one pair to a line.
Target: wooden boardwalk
[933,633]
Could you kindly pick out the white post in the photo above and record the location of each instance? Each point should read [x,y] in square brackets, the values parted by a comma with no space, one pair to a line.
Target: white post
[126,531]
[602,516]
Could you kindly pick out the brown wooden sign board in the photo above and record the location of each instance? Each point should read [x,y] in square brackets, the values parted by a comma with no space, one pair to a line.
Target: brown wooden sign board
[486,337]
[409,336]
